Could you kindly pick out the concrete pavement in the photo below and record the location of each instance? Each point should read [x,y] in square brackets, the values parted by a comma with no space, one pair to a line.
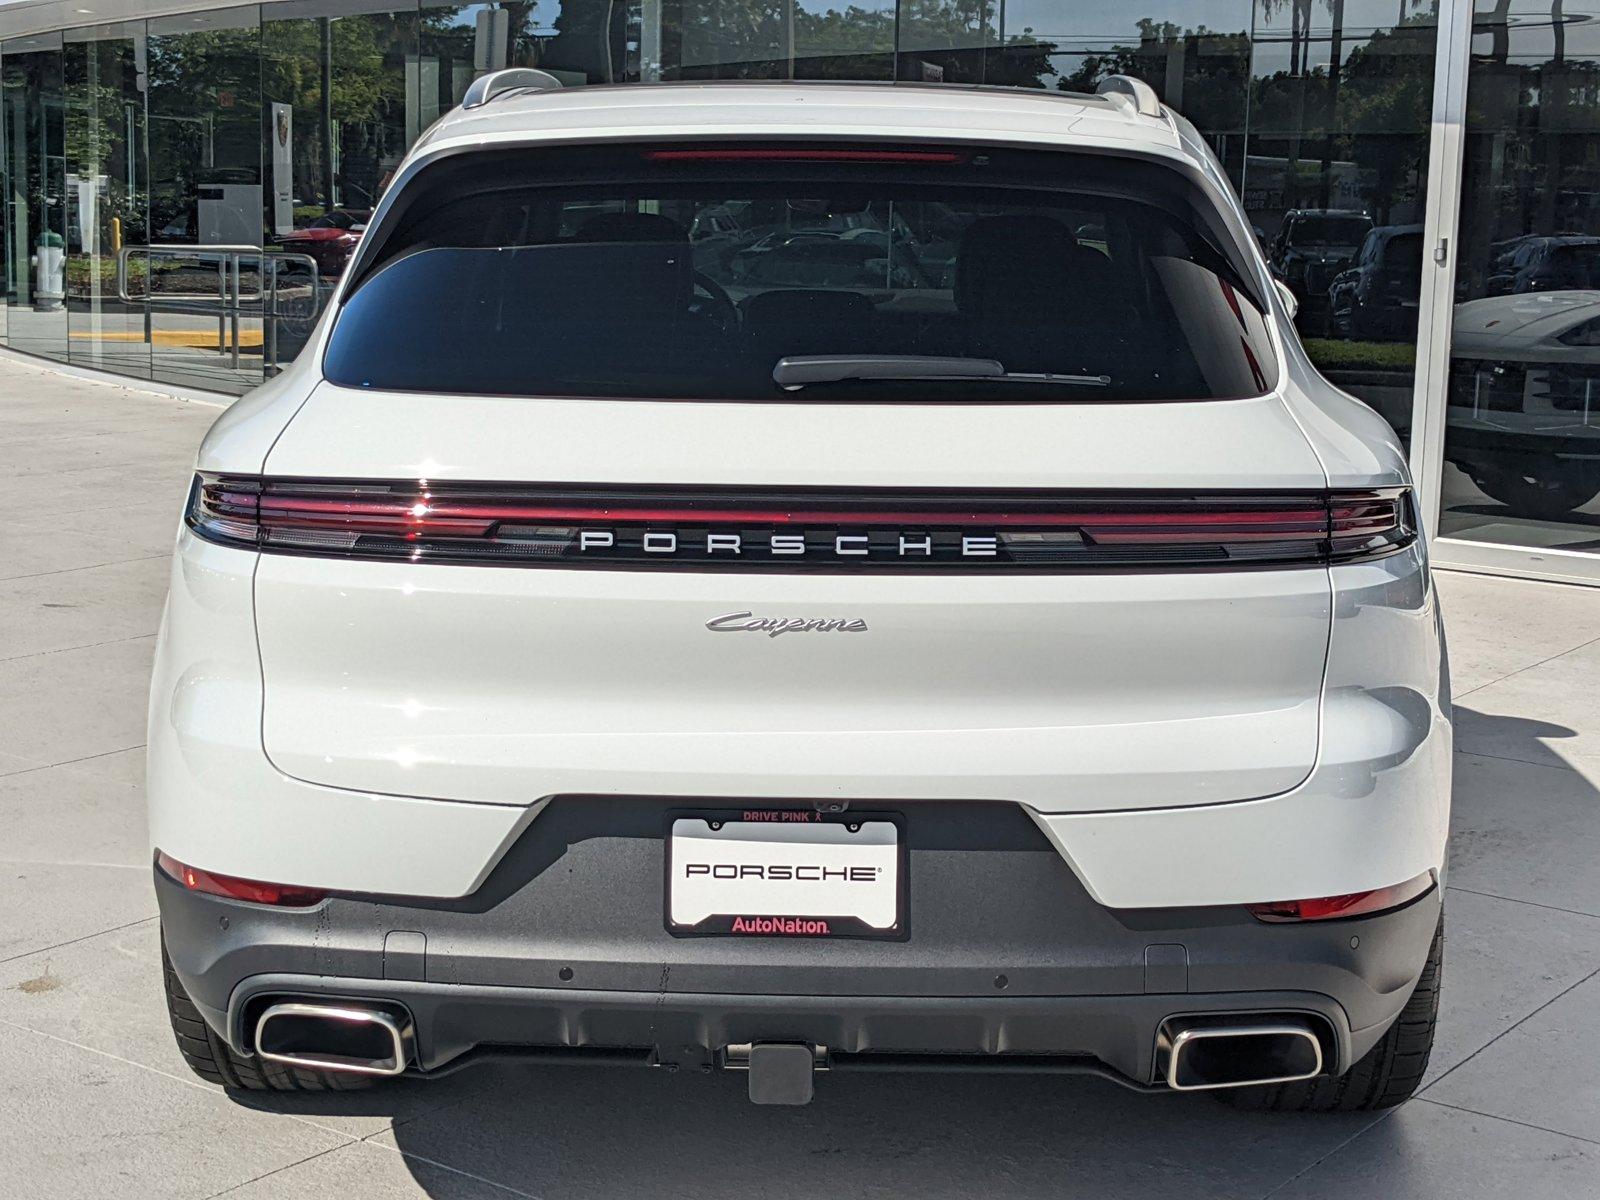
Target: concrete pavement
[94,1098]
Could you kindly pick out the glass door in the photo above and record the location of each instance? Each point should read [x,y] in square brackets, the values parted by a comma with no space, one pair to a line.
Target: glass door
[207,200]
[1519,463]
[35,196]
[107,198]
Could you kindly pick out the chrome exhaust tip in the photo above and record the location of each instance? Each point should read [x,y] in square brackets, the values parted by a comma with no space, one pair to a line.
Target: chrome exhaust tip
[334,1037]
[1197,1054]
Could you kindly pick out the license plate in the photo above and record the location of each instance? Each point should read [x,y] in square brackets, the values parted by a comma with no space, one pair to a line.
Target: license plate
[785,873]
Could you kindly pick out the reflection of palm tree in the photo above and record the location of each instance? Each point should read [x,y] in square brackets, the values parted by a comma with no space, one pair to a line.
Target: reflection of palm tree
[1413,5]
[1299,30]
[1499,25]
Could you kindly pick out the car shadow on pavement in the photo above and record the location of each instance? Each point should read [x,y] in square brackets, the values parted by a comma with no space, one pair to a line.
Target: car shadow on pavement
[587,1133]
[1515,739]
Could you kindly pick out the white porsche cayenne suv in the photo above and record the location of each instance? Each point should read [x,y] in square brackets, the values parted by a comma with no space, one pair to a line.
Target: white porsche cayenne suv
[805,577]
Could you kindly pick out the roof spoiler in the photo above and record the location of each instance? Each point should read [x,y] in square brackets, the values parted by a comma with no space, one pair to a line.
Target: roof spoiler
[514,79]
[1136,92]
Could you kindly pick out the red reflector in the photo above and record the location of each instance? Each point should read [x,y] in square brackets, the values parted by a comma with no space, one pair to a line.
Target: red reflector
[256,892]
[1351,904]
[797,154]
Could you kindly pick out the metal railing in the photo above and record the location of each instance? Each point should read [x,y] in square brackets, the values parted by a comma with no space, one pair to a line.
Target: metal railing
[230,302]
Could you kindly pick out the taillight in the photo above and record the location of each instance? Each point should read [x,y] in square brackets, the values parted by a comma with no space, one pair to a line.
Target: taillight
[526,525]
[1351,904]
[828,154]
[255,891]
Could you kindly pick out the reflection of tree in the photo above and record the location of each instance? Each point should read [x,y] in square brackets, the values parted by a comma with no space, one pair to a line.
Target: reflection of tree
[1384,111]
[753,39]
[590,37]
[205,114]
[1299,30]
[1215,70]
[100,144]
[365,99]
[1375,113]
[1532,145]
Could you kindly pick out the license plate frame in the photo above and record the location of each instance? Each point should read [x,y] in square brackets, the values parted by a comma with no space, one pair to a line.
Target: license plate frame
[838,927]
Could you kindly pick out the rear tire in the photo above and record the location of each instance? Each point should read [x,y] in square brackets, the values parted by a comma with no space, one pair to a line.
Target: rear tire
[214,1061]
[1547,494]
[1389,1073]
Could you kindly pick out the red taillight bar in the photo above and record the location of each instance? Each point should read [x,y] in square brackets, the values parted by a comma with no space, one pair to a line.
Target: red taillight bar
[1038,530]
[254,891]
[408,514]
[800,154]
[1351,904]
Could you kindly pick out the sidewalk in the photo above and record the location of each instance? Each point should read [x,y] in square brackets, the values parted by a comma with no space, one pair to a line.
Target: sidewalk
[95,1100]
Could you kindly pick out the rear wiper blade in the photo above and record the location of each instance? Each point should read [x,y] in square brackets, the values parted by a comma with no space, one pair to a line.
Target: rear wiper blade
[805,370]
[1054,377]
[796,371]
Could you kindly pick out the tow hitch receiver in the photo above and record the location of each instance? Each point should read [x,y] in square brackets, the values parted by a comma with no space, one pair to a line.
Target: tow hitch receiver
[780,1072]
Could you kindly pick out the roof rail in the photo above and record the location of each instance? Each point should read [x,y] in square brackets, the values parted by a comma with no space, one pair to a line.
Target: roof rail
[1136,92]
[514,79]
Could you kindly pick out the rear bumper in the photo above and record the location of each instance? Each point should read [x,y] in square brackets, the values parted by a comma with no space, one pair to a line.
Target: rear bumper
[1008,955]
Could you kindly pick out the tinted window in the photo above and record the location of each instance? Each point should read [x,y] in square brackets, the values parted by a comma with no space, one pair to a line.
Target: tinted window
[1331,231]
[698,278]
[1575,265]
[1404,252]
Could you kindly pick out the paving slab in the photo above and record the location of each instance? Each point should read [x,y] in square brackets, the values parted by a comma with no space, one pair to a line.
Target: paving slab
[1503,961]
[1427,1152]
[104,993]
[1497,626]
[1526,832]
[1549,713]
[10,764]
[73,704]
[169,441]
[67,610]
[74,490]
[56,816]
[124,766]
[373,1173]
[79,1124]
[142,524]
[48,905]
[1544,1072]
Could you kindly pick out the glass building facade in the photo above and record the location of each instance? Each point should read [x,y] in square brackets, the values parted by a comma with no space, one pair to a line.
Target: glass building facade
[179,190]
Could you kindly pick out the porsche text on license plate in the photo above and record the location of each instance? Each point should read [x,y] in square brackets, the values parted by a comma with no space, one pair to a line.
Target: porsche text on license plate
[784,873]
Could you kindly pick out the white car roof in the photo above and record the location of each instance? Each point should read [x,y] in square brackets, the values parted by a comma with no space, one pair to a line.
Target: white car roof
[814,110]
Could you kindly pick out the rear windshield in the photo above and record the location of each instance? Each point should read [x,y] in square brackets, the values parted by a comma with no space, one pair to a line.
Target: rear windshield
[699,274]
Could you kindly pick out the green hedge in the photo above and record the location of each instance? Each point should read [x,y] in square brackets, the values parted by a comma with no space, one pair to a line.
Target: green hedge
[1332,354]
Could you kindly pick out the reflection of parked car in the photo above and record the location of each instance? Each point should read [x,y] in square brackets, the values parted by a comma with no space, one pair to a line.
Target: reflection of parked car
[1524,411]
[715,223]
[329,239]
[1377,296]
[821,262]
[1547,264]
[1311,247]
